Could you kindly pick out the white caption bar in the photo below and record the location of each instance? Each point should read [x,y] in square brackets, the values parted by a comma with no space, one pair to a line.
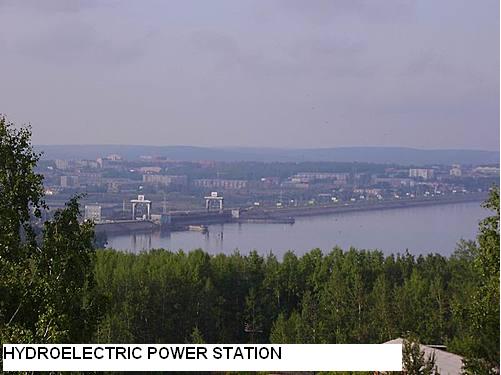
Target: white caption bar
[209,357]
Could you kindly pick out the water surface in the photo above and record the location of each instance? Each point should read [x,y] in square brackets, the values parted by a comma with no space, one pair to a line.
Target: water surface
[421,230]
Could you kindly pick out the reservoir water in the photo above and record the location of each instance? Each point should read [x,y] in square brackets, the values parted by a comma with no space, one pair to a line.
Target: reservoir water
[421,230]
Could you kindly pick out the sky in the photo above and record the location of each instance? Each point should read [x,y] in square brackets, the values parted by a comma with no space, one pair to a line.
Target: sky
[260,73]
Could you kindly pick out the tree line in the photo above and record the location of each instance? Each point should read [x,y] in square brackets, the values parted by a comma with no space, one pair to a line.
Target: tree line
[352,296]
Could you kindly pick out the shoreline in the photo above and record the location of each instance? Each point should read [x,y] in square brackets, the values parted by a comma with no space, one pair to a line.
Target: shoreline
[368,206]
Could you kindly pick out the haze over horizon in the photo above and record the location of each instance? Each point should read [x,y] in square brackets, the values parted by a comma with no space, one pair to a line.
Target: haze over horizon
[282,73]
[251,147]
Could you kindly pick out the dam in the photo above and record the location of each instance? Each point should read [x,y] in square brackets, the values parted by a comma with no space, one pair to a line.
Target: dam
[173,221]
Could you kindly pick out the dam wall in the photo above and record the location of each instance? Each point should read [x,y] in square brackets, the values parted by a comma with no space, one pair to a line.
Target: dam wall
[182,219]
[125,226]
[171,221]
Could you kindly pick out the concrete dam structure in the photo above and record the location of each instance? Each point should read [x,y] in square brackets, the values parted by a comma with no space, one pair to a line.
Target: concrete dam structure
[170,221]
[125,226]
[182,219]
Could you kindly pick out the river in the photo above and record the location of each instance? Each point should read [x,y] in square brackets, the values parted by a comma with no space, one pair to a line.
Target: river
[421,230]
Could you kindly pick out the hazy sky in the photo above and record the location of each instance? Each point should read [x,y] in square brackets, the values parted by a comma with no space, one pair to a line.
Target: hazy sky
[283,73]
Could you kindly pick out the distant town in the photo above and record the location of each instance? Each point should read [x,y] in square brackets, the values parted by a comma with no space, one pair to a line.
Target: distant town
[126,195]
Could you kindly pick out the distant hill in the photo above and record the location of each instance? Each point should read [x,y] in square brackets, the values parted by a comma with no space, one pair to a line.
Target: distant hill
[398,155]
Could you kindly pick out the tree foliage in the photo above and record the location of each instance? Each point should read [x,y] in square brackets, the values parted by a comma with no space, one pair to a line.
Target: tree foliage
[47,287]
[415,361]
[483,310]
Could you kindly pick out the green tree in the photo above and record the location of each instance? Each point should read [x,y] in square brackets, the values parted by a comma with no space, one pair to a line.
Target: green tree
[382,315]
[196,337]
[66,281]
[286,331]
[462,286]
[415,361]
[310,327]
[335,307]
[483,351]
[21,199]
[47,289]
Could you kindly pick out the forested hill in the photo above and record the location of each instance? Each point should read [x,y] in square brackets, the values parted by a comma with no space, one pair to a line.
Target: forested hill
[396,155]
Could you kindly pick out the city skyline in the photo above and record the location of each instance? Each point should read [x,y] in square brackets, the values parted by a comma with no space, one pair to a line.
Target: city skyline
[285,74]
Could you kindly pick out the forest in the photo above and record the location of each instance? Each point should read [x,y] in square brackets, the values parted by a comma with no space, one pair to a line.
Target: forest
[352,296]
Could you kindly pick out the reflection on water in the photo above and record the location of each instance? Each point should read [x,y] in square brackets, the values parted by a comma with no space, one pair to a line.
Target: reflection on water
[212,239]
[419,229]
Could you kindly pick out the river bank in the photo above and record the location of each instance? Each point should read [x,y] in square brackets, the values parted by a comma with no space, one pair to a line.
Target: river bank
[286,212]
